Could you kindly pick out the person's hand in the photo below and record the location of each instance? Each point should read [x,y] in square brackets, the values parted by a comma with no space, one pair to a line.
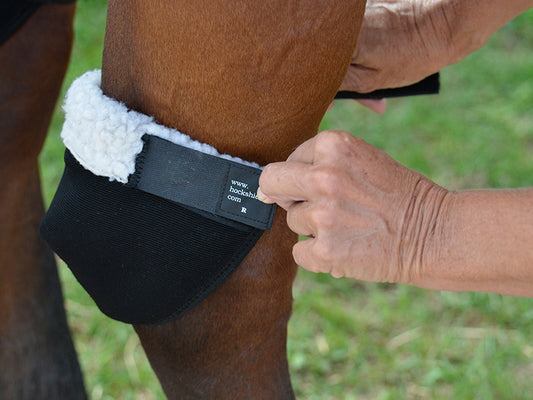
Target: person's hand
[366,216]
[400,43]
[395,49]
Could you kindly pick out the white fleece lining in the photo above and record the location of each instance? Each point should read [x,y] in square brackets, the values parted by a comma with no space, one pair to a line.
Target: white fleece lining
[105,137]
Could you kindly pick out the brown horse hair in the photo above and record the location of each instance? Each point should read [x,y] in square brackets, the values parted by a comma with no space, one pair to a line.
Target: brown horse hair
[252,79]
[37,356]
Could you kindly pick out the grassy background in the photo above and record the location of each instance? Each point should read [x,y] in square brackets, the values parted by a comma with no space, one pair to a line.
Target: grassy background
[349,340]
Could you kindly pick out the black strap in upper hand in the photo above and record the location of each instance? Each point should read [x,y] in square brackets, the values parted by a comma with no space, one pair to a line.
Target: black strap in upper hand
[429,85]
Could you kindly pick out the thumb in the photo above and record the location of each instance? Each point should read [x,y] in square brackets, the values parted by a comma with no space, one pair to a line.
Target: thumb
[379,106]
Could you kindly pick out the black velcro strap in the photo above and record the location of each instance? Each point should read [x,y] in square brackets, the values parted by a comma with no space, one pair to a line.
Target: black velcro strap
[194,179]
[429,85]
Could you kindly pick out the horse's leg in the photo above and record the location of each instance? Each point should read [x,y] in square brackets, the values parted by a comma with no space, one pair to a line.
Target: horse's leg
[37,357]
[253,79]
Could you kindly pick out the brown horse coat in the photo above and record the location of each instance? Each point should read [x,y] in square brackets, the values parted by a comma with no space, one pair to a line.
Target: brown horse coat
[251,78]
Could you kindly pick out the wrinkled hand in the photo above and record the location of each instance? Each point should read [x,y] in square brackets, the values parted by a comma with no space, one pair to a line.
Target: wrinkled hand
[366,216]
[400,43]
[403,41]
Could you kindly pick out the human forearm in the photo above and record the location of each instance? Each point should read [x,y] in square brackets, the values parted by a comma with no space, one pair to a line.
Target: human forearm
[472,23]
[482,241]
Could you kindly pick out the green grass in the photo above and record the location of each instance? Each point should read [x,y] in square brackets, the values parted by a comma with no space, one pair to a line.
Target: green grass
[349,340]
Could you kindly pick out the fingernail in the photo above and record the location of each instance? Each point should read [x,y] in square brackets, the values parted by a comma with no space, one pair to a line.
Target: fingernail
[261,196]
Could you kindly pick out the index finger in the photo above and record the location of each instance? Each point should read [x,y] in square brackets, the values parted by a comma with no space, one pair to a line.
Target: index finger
[282,183]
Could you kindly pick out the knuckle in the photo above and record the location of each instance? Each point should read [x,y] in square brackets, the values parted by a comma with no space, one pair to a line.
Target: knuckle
[292,219]
[267,172]
[265,176]
[357,142]
[366,83]
[363,79]
[330,140]
[322,218]
[336,145]
[327,180]
[324,252]
[269,177]
[298,255]
[337,274]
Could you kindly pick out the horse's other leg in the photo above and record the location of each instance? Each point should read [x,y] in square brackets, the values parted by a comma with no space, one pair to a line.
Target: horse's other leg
[37,356]
[253,79]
